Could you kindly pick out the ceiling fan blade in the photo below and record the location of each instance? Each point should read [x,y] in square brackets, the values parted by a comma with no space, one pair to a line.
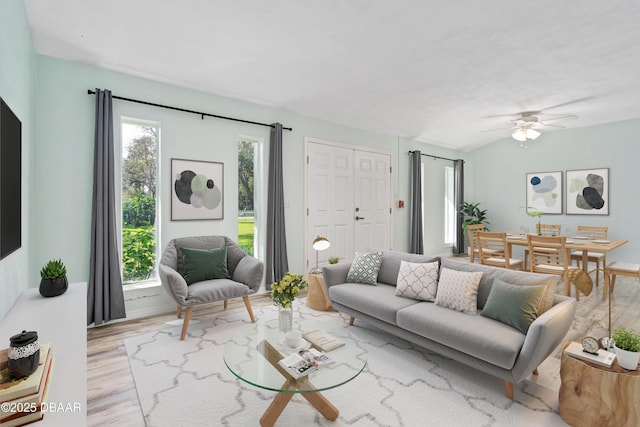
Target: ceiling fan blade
[491,130]
[560,118]
[551,126]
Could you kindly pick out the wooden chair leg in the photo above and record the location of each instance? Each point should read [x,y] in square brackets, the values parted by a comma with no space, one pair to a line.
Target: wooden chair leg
[351,320]
[607,283]
[613,282]
[185,325]
[508,389]
[179,312]
[247,304]
[535,371]
[226,304]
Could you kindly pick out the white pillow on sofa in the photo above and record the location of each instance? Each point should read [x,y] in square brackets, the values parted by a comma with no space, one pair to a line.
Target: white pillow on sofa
[365,267]
[458,290]
[417,280]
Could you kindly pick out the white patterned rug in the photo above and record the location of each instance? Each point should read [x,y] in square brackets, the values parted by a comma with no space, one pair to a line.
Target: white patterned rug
[186,383]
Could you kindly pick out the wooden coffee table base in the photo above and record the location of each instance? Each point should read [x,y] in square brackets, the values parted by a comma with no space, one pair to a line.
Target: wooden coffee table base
[315,398]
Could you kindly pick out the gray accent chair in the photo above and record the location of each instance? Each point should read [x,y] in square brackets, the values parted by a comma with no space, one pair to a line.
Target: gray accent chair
[245,272]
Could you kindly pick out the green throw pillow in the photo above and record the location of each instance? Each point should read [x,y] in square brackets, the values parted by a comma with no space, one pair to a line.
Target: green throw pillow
[513,305]
[204,264]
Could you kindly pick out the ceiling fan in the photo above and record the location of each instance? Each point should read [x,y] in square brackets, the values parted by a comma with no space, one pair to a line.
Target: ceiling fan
[525,126]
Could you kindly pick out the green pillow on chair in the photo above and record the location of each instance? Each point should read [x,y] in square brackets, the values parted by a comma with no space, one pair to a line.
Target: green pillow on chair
[204,264]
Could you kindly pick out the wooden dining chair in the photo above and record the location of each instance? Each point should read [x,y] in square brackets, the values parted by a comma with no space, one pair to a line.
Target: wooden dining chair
[599,258]
[618,269]
[474,247]
[495,251]
[549,255]
[543,230]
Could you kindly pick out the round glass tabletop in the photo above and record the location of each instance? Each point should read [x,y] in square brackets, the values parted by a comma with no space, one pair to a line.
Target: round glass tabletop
[253,353]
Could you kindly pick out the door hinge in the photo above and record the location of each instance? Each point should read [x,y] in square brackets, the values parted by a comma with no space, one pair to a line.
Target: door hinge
[390,211]
[390,169]
[307,211]
[307,159]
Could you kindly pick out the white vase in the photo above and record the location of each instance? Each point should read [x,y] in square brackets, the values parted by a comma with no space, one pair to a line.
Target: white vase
[627,359]
[285,318]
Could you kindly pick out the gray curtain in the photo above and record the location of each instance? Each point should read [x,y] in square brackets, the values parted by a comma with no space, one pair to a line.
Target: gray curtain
[277,264]
[105,298]
[458,195]
[416,234]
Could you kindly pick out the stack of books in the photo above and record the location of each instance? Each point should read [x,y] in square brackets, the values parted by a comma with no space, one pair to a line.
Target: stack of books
[21,400]
[322,340]
[603,358]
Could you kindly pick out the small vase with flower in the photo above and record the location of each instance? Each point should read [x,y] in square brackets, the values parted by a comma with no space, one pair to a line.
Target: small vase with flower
[283,294]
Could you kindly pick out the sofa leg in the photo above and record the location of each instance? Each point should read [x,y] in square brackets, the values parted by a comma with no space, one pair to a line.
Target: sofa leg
[185,325]
[535,371]
[179,312]
[226,304]
[247,304]
[508,389]
[351,320]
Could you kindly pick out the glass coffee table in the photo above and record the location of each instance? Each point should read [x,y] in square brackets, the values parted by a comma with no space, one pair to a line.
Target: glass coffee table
[253,353]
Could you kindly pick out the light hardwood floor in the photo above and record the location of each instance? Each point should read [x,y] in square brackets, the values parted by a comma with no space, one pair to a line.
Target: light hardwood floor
[111,393]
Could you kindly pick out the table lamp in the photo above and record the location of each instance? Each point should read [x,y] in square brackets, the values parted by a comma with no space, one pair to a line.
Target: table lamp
[319,244]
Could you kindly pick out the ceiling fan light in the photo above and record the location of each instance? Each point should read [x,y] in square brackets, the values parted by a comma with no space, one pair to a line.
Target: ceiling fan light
[532,134]
[519,135]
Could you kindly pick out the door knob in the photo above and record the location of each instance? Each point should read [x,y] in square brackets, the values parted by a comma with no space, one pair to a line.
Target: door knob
[359,218]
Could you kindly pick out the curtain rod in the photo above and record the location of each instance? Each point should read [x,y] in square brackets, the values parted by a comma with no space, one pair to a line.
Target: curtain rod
[201,114]
[437,157]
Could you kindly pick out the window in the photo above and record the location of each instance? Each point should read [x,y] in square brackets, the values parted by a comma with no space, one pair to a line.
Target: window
[449,208]
[139,181]
[250,190]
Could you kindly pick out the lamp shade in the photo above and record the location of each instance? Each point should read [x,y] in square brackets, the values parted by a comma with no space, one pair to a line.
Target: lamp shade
[321,243]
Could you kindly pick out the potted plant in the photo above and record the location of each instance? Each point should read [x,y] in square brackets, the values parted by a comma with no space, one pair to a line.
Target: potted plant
[627,345]
[473,215]
[283,293]
[54,279]
[333,260]
[536,214]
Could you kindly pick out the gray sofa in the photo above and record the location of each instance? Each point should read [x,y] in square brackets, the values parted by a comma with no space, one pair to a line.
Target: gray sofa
[474,340]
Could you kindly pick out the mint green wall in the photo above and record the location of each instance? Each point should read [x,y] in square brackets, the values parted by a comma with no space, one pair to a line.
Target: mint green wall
[64,160]
[497,179]
[17,68]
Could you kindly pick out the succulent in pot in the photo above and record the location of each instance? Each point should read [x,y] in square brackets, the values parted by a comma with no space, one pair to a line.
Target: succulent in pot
[333,260]
[54,279]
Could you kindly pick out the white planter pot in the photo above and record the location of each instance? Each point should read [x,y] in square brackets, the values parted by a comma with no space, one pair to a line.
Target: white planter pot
[627,359]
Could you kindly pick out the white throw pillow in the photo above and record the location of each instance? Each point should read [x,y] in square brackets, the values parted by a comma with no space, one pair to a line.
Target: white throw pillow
[365,267]
[417,280]
[458,290]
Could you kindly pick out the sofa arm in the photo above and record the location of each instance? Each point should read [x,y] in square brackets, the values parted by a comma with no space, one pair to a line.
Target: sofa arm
[249,271]
[174,284]
[545,334]
[335,274]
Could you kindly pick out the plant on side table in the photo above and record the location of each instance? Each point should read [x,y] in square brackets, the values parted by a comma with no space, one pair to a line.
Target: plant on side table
[626,342]
[54,279]
[333,260]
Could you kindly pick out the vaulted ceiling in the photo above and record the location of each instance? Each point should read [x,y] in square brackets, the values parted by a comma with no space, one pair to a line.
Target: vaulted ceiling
[439,71]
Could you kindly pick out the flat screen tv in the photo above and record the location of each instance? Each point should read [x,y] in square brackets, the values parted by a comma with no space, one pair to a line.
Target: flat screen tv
[10,181]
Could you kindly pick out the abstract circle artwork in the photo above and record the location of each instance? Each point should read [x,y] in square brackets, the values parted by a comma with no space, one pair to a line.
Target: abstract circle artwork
[197,190]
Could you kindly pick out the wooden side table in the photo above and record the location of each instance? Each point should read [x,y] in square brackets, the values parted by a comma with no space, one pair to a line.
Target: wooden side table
[317,297]
[592,395]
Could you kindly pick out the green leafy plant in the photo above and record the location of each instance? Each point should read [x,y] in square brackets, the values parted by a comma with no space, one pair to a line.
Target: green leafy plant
[286,290]
[535,214]
[138,253]
[333,260]
[473,215]
[54,269]
[627,339]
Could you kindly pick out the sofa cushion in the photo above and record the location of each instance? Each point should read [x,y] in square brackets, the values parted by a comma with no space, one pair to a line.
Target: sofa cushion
[475,335]
[365,267]
[204,264]
[376,301]
[390,266]
[417,280]
[521,278]
[513,305]
[458,290]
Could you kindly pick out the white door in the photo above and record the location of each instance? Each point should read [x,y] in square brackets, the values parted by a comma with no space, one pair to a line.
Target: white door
[348,200]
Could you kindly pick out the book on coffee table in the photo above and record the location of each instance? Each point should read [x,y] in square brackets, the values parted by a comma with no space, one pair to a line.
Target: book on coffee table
[304,361]
[322,340]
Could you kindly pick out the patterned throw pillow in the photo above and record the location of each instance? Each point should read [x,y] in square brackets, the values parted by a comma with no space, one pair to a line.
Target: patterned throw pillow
[417,280]
[365,267]
[458,290]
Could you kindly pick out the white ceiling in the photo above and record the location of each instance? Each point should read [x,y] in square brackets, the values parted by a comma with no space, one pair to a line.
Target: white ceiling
[440,71]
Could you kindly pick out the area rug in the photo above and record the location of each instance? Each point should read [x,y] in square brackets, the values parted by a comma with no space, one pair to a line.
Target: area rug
[186,383]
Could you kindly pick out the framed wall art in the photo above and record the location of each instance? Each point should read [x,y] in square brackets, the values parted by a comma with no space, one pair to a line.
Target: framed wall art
[544,192]
[197,190]
[588,192]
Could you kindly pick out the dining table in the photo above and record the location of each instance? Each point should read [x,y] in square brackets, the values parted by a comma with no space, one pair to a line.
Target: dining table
[577,243]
